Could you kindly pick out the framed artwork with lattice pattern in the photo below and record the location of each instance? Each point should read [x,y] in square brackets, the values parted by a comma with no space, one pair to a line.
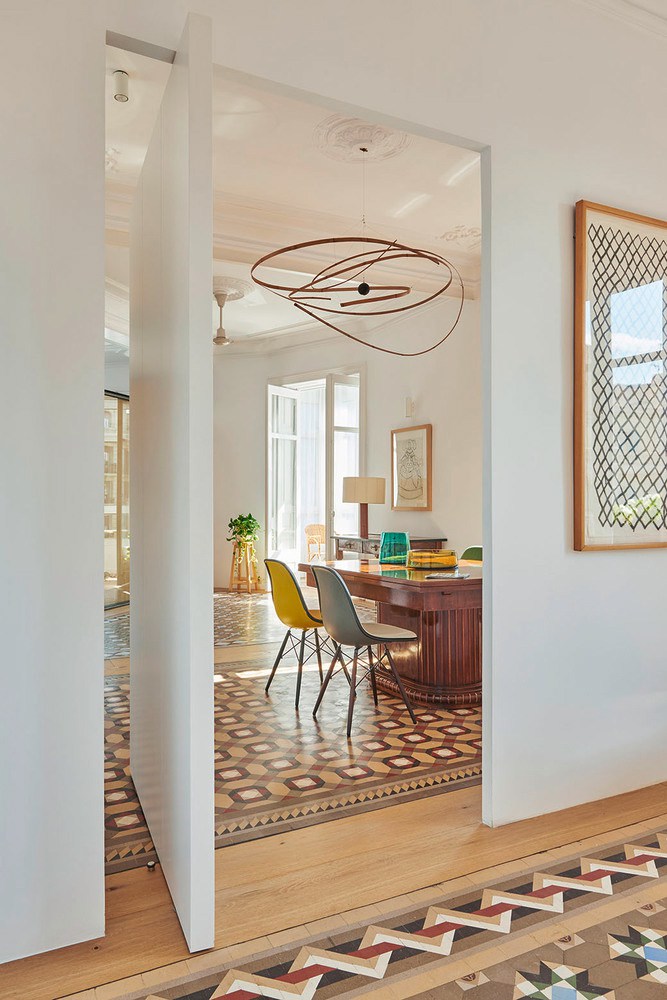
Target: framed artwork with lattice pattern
[620,380]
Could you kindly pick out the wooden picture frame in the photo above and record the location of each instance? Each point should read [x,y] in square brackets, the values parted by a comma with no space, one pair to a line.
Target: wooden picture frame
[620,380]
[411,468]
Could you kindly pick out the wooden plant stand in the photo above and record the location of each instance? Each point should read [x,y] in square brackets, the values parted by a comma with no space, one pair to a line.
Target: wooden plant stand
[243,574]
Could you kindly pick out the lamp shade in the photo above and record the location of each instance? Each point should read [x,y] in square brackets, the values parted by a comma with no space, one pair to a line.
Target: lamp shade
[363,489]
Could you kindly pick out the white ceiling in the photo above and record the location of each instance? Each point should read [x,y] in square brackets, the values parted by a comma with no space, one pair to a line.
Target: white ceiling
[265,146]
[274,185]
[129,125]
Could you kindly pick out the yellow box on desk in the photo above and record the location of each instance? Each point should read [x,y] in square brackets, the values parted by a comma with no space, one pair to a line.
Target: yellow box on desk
[428,559]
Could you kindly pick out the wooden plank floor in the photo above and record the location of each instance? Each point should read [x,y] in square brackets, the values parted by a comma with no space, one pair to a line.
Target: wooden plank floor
[268,885]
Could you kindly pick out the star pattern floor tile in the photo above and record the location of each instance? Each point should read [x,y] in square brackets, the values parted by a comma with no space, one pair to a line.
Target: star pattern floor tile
[277,769]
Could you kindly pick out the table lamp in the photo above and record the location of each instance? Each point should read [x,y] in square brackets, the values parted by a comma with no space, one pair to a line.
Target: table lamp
[363,490]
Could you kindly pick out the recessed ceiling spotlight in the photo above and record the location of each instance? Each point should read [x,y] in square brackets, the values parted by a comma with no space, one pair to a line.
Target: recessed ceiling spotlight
[121,86]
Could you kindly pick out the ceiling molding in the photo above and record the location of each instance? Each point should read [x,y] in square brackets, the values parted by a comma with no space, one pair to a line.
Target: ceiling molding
[269,344]
[116,307]
[630,13]
[245,229]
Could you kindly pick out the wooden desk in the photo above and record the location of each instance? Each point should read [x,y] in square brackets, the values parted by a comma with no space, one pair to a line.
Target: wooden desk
[445,665]
[371,546]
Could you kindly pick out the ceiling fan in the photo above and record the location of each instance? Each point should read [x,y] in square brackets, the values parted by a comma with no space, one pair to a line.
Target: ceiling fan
[227,289]
[221,339]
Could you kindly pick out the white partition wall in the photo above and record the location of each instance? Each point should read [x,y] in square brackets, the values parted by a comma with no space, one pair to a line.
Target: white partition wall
[51,498]
[171,487]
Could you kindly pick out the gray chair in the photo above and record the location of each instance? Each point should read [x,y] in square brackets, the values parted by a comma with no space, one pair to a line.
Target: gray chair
[342,623]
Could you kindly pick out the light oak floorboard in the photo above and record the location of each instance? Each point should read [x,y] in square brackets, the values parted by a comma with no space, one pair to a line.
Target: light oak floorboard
[266,886]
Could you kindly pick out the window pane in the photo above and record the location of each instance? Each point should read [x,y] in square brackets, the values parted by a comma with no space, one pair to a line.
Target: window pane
[345,463]
[283,414]
[346,404]
[311,462]
[283,499]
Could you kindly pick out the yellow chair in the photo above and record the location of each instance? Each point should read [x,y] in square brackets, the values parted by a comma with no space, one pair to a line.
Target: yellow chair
[297,616]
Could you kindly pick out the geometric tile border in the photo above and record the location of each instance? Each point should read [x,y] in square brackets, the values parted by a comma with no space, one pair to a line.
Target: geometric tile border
[598,920]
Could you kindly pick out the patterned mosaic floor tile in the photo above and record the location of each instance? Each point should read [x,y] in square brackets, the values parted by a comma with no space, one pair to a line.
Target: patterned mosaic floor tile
[238,620]
[278,769]
[441,951]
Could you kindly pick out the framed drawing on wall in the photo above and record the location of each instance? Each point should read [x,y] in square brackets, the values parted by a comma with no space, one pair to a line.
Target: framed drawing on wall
[411,468]
[620,380]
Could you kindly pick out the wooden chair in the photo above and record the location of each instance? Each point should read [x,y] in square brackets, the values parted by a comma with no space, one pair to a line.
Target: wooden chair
[342,623]
[297,616]
[316,541]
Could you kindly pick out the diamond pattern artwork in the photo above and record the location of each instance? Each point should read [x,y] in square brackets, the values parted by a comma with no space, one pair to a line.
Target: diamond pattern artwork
[502,939]
[276,768]
[628,384]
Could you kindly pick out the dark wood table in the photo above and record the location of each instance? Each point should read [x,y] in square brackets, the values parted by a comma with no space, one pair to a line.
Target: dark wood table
[444,665]
[371,546]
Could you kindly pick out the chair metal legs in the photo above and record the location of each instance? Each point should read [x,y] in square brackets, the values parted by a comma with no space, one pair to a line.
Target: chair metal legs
[318,649]
[373,665]
[353,692]
[372,672]
[328,677]
[314,646]
[399,682]
[299,675]
[278,659]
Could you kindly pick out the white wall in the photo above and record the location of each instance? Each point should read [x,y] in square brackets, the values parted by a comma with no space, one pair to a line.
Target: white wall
[446,387]
[570,102]
[171,488]
[51,499]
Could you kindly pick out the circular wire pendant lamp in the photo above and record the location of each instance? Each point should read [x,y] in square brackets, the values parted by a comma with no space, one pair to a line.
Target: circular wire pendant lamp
[362,281]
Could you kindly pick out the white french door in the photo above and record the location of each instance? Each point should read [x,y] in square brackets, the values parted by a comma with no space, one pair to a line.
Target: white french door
[314,440]
[282,473]
[171,484]
[344,450]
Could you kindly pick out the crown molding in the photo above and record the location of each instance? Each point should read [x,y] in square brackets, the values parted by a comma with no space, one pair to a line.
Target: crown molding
[630,13]
[276,342]
[244,229]
[116,307]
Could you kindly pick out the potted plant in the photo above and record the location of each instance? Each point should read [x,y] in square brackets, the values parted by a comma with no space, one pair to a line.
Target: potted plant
[244,531]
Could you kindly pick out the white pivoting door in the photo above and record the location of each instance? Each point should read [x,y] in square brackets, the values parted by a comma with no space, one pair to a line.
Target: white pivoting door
[171,383]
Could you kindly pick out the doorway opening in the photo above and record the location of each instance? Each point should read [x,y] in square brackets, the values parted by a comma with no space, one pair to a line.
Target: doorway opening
[314,441]
[282,452]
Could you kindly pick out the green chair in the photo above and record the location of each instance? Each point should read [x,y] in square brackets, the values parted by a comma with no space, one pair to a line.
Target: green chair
[394,547]
[473,552]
